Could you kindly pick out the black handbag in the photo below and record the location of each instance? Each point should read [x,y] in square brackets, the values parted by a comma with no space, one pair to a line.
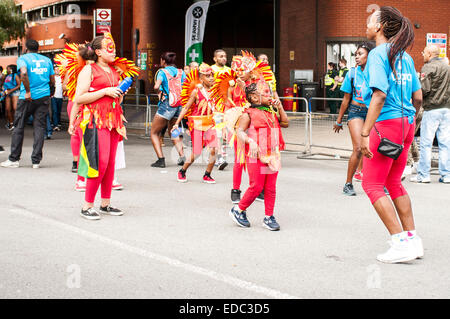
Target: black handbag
[386,146]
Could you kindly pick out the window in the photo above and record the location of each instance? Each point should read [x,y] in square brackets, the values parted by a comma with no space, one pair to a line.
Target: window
[335,51]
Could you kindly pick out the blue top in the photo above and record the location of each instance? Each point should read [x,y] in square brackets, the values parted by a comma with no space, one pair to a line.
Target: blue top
[10,82]
[39,69]
[380,76]
[362,93]
[162,76]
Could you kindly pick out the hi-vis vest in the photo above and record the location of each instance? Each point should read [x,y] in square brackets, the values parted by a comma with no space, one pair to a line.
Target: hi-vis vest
[341,73]
[329,81]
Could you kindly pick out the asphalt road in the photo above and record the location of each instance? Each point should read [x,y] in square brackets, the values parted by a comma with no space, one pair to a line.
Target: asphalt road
[177,240]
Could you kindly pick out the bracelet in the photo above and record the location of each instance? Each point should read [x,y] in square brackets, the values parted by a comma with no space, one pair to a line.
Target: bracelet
[364,135]
[338,124]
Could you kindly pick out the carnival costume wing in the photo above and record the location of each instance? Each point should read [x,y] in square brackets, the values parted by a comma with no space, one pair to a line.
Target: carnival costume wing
[219,91]
[70,63]
[61,62]
[262,70]
[191,82]
[125,67]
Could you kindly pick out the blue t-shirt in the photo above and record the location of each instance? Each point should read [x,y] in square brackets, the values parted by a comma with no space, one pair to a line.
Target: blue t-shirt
[162,76]
[362,93]
[10,82]
[39,69]
[380,76]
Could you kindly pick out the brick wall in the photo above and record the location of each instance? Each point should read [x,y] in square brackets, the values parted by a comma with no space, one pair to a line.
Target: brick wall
[347,18]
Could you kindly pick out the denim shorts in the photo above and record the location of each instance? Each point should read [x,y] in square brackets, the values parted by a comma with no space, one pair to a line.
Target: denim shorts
[166,111]
[356,112]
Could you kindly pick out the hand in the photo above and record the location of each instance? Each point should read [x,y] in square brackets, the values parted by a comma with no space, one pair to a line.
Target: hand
[6,92]
[123,118]
[365,150]
[254,149]
[28,96]
[337,128]
[277,103]
[332,89]
[112,92]
[71,129]
[175,126]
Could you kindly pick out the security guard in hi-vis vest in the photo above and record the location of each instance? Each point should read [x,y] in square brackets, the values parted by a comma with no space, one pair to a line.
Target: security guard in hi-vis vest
[343,70]
[330,86]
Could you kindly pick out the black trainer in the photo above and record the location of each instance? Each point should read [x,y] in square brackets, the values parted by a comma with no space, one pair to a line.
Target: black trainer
[90,214]
[2,149]
[181,160]
[222,165]
[260,197]
[239,218]
[74,167]
[270,223]
[109,210]
[348,190]
[235,196]
[161,162]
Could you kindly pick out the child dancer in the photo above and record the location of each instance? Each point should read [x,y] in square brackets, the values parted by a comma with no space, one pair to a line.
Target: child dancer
[198,106]
[263,144]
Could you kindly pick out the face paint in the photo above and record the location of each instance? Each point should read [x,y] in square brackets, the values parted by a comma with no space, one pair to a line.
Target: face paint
[108,43]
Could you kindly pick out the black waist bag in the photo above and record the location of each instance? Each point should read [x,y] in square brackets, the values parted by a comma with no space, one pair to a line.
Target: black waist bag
[389,148]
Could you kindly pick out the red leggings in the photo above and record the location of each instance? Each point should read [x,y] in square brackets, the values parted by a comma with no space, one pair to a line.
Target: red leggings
[380,170]
[261,178]
[237,168]
[75,140]
[107,143]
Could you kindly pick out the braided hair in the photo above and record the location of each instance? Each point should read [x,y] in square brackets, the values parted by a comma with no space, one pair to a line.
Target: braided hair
[398,30]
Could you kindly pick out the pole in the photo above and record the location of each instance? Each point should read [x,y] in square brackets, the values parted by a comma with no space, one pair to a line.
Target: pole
[121,28]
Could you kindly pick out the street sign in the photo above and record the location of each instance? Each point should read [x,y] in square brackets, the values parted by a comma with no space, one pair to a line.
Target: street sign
[439,39]
[102,21]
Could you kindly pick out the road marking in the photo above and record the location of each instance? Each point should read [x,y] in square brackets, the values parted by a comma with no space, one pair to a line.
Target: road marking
[230,280]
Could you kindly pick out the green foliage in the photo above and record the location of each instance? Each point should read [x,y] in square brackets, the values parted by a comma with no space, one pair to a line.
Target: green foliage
[12,22]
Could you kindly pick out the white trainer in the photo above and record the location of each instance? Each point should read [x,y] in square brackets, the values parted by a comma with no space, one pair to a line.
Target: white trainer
[417,244]
[398,253]
[10,164]
[36,166]
[417,179]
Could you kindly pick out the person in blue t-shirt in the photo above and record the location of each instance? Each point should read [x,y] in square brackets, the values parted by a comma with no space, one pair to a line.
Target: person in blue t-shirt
[36,76]
[167,114]
[396,97]
[11,86]
[357,95]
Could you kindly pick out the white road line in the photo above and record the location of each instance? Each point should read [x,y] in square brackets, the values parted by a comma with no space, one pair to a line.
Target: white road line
[232,281]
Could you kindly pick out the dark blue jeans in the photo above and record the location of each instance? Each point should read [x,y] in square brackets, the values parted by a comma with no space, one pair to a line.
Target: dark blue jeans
[56,111]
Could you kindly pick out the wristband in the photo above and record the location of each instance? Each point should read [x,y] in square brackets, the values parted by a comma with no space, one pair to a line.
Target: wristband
[338,124]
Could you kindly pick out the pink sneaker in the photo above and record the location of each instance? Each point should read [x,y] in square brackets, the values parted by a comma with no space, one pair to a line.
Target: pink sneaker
[181,177]
[80,186]
[208,179]
[358,176]
[116,186]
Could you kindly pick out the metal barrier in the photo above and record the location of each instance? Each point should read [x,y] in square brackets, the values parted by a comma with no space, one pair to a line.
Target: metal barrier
[292,134]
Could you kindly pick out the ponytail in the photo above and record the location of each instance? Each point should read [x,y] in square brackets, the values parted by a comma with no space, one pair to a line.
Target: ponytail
[87,52]
[398,30]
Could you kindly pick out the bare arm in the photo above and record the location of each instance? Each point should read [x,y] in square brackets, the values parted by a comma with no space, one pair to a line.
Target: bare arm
[417,100]
[376,104]
[17,86]
[186,108]
[72,117]
[284,120]
[244,124]
[26,82]
[344,106]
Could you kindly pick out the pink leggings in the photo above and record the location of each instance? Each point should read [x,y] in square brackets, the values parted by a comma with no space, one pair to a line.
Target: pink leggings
[380,170]
[107,143]
[261,178]
[75,140]
[237,168]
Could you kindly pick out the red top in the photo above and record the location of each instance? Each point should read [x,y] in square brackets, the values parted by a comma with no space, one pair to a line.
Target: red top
[106,110]
[265,130]
[205,103]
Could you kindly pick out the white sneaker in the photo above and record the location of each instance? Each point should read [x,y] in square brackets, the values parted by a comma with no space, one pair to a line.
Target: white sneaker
[417,179]
[10,164]
[398,253]
[445,180]
[417,244]
[407,171]
[116,185]
[80,186]
[36,166]
[414,168]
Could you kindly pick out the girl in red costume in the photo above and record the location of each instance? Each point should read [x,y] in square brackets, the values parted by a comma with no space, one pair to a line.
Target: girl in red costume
[98,100]
[263,143]
[199,107]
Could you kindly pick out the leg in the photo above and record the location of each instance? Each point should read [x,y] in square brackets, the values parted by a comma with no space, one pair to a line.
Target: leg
[39,124]
[428,129]
[108,178]
[257,180]
[20,118]
[237,168]
[355,126]
[212,160]
[176,141]
[443,136]
[8,109]
[54,112]
[270,191]
[158,124]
